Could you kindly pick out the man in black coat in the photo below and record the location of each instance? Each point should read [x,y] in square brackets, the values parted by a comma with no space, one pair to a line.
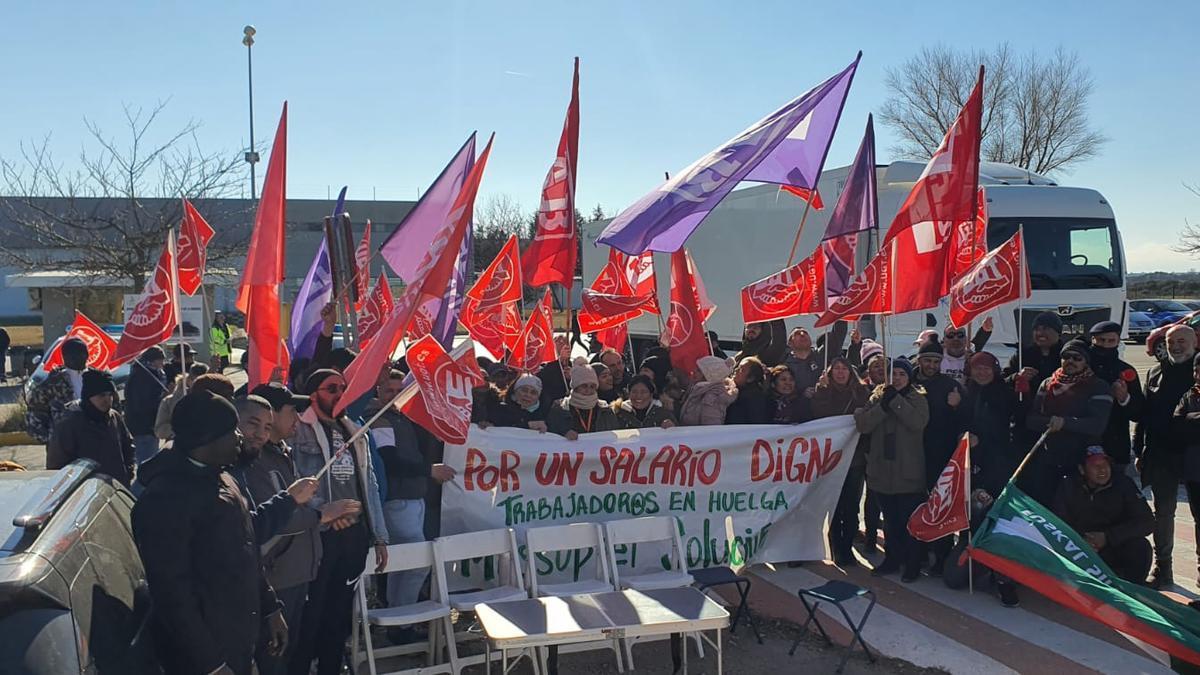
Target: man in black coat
[1160,452]
[1107,509]
[195,532]
[1126,389]
[1034,363]
[945,427]
[556,374]
[144,391]
[91,429]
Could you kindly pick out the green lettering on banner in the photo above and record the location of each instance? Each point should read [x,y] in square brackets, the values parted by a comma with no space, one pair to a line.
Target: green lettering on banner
[682,501]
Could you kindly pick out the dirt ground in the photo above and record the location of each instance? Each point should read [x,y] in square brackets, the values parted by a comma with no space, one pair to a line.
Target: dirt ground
[25,336]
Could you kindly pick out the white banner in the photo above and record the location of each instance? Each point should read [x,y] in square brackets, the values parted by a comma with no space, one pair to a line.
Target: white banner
[769,488]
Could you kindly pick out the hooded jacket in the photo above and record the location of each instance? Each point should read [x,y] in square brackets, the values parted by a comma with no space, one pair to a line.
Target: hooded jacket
[770,346]
[627,418]
[195,532]
[706,403]
[896,455]
[91,434]
[1116,437]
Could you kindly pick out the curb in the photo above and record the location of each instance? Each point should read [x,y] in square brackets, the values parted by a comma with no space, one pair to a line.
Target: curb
[16,438]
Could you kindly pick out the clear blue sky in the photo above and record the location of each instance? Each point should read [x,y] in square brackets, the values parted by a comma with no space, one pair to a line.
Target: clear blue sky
[381,93]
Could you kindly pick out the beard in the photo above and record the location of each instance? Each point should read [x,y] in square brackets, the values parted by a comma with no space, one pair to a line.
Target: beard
[1182,358]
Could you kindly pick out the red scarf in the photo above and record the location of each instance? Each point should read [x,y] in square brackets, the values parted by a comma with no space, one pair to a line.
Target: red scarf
[1061,382]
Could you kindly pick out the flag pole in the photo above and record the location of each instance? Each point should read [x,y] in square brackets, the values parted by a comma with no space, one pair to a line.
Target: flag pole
[1021,314]
[178,305]
[967,496]
[799,230]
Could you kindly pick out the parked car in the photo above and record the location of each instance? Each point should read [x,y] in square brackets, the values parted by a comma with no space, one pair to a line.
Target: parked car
[1140,326]
[1156,346]
[1162,312]
[73,595]
[1191,304]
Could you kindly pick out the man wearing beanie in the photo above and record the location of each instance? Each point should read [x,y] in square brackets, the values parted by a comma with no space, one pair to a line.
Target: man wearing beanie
[1126,389]
[320,438]
[580,412]
[1036,362]
[946,424]
[91,429]
[1159,445]
[1074,405]
[48,400]
[197,536]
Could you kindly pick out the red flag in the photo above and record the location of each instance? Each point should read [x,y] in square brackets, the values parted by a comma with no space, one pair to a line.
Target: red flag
[869,293]
[970,241]
[639,271]
[378,305]
[685,334]
[535,345]
[947,510]
[156,315]
[614,337]
[602,311]
[258,292]
[707,306]
[622,276]
[501,281]
[799,289]
[101,346]
[362,268]
[444,403]
[496,327]
[944,195]
[550,258]
[429,283]
[194,235]
[993,281]
[811,196]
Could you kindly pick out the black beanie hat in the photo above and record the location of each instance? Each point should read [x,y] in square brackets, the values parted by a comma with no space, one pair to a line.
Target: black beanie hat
[1079,347]
[313,382]
[96,382]
[202,417]
[1049,320]
[279,397]
[903,364]
[930,346]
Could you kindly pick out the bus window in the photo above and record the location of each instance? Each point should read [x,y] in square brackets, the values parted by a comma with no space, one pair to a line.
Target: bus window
[1065,253]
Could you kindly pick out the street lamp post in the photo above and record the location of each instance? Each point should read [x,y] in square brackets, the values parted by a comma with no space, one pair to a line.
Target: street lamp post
[251,155]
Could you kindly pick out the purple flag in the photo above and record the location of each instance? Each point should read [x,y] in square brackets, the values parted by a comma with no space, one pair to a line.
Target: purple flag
[787,147]
[315,293]
[446,323]
[413,237]
[857,210]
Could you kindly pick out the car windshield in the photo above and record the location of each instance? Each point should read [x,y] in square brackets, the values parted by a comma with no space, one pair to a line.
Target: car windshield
[1065,253]
[1171,306]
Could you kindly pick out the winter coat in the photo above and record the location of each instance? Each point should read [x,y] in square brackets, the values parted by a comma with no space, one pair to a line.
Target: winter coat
[162,421]
[770,346]
[195,532]
[290,556]
[896,422]
[1045,365]
[48,402]
[561,418]
[1117,509]
[102,437]
[945,426]
[750,407]
[1084,409]
[554,381]
[989,413]
[806,371]
[143,393]
[832,399]
[1165,387]
[399,446]
[706,402]
[1116,437]
[508,413]
[793,410]
[310,451]
[654,416]
[1186,423]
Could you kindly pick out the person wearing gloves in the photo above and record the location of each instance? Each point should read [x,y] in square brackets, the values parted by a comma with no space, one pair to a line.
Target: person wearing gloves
[896,415]
[580,412]
[708,399]
[1073,405]
[642,409]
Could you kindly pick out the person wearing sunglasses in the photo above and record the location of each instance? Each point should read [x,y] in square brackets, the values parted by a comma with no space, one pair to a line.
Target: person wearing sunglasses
[956,351]
[1074,405]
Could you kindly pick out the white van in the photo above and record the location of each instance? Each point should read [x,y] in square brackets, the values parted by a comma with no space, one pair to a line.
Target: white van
[1076,261]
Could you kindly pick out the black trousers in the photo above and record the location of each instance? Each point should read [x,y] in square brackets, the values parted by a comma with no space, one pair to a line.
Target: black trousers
[293,600]
[1129,559]
[900,548]
[844,523]
[327,615]
[873,514]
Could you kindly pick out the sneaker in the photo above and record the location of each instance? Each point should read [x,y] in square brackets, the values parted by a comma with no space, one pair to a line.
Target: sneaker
[1008,594]
[1162,578]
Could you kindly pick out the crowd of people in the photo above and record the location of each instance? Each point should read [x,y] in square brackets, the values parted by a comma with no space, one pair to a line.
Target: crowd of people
[257,510]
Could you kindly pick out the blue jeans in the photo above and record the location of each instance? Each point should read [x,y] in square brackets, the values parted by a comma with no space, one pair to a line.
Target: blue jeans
[405,520]
[145,447]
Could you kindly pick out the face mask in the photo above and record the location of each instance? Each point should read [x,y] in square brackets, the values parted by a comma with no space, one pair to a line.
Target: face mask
[534,407]
[1104,352]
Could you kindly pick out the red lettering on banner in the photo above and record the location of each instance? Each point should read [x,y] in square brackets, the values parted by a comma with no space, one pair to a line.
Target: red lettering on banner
[479,475]
[802,462]
[680,466]
[560,470]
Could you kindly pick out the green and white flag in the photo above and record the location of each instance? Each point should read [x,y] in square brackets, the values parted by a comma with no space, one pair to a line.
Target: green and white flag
[1025,541]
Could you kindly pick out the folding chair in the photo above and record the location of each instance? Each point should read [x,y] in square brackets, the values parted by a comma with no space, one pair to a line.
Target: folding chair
[435,612]
[574,537]
[836,592]
[500,544]
[661,529]
[711,577]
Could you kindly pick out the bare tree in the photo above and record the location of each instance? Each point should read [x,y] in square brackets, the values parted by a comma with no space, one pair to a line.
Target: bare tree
[1189,236]
[1034,111]
[109,214]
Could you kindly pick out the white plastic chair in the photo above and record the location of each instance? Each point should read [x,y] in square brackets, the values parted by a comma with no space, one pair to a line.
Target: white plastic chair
[574,537]
[435,612]
[650,529]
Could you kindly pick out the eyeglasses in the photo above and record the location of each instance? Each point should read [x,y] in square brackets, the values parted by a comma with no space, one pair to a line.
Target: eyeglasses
[956,334]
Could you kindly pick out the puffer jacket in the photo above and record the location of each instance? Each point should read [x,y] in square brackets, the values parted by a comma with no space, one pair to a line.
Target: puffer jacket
[706,403]
[896,422]
[655,415]
[560,418]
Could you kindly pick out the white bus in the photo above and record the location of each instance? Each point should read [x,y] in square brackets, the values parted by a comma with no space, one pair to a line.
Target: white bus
[1076,261]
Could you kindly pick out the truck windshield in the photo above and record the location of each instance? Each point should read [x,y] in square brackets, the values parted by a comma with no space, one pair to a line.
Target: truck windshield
[1065,253]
